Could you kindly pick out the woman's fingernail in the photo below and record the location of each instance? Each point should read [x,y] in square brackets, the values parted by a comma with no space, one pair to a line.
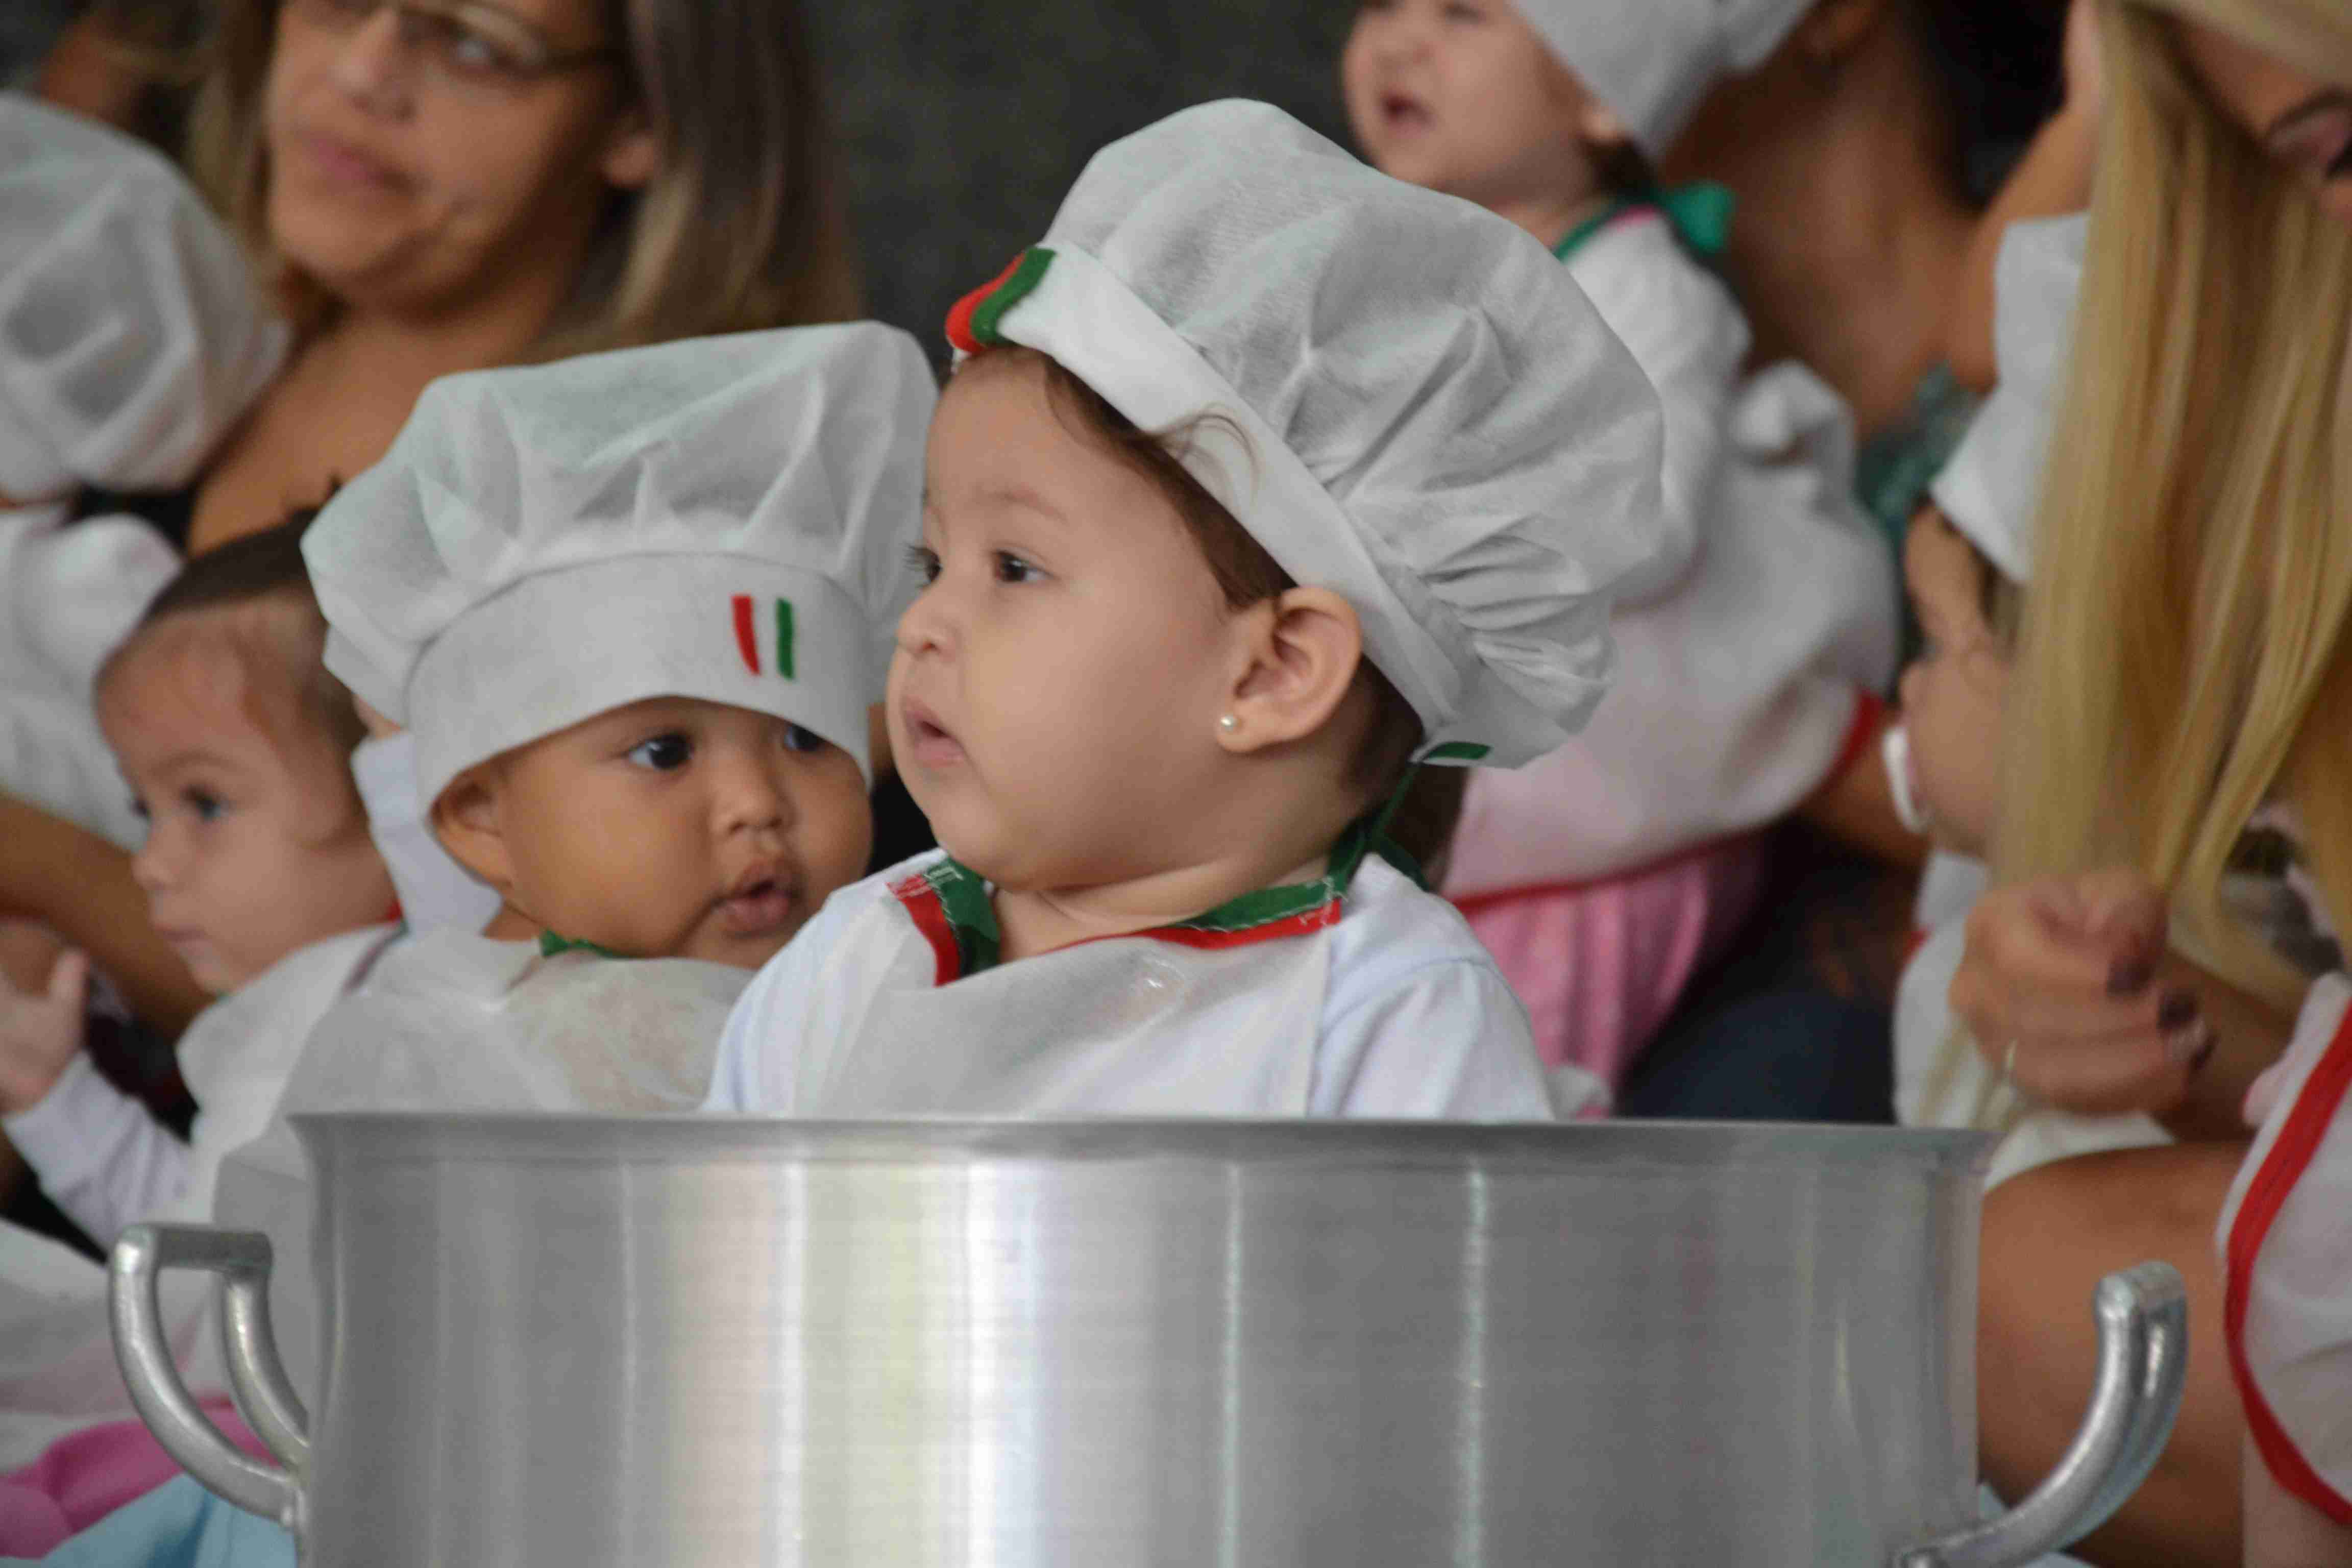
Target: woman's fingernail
[2130,975]
[2178,1008]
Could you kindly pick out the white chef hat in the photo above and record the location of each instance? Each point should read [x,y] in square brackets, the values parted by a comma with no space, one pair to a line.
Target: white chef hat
[725,518]
[1436,423]
[131,333]
[1652,60]
[1992,487]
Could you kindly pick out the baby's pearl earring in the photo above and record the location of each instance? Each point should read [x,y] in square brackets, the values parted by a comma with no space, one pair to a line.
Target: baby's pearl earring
[1229,724]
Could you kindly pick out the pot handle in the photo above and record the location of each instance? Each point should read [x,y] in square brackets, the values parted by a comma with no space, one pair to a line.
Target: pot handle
[2143,1316]
[257,1378]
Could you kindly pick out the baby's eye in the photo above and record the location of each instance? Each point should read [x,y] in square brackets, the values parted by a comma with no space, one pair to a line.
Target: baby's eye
[1011,568]
[207,805]
[1461,13]
[663,753]
[799,740]
[139,808]
[925,561]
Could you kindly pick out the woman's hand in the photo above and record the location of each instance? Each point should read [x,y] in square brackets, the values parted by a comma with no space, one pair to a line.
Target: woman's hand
[40,1031]
[2068,990]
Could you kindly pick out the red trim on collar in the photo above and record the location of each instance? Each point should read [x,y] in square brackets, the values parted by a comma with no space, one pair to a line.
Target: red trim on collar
[930,917]
[2290,1155]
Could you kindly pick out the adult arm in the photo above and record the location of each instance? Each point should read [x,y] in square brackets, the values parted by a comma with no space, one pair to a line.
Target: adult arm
[2285,1531]
[80,887]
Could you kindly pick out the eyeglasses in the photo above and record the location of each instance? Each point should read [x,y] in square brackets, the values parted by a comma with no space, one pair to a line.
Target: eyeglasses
[467,46]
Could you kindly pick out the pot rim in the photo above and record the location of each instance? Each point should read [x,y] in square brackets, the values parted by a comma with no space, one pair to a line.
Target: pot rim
[676,1137]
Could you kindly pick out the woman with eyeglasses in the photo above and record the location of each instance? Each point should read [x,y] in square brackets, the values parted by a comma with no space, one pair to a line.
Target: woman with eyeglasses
[2180,758]
[429,186]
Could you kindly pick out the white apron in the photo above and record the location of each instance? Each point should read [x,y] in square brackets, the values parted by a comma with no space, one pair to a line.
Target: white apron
[1218,1017]
[2286,1238]
[451,1021]
[57,1371]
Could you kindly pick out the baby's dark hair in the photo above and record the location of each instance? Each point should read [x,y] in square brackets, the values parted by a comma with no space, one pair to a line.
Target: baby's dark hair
[262,570]
[1246,574]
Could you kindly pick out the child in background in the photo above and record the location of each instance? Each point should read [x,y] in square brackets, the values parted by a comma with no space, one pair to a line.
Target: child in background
[235,743]
[1606,875]
[1262,478]
[1967,560]
[234,738]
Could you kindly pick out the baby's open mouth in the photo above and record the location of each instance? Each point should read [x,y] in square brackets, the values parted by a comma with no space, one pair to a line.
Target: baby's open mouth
[758,908]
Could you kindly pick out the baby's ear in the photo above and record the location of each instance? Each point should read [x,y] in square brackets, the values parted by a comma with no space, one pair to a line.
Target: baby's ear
[467,820]
[1297,669]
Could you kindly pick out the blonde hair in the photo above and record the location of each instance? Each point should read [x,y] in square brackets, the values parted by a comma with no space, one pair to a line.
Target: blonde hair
[2181,662]
[742,227]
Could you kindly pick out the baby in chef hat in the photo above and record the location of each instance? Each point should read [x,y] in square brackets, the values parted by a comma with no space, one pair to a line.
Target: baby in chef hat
[633,608]
[2287,1312]
[1607,875]
[1968,559]
[1261,479]
[130,339]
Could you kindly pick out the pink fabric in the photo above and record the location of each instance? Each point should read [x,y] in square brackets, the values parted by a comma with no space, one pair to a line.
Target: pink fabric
[84,1476]
[1599,965]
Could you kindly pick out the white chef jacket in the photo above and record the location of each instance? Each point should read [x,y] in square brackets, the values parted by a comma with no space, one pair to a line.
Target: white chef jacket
[1301,1001]
[107,1162]
[1742,677]
[2285,1240]
[448,1020]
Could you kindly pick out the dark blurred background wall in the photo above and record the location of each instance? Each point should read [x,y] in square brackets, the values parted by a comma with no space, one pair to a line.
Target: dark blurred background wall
[962,126]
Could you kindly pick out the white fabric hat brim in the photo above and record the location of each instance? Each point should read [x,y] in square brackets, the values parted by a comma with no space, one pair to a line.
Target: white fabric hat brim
[1992,486]
[561,648]
[1653,62]
[1091,324]
[1991,490]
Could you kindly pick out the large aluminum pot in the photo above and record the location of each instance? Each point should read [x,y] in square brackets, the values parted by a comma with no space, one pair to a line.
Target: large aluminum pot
[557,1340]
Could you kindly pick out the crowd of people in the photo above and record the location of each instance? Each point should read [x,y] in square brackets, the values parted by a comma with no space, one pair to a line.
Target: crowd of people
[1535,618]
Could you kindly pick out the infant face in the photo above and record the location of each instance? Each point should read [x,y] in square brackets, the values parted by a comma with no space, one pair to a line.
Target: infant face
[1055,696]
[256,841]
[1461,96]
[672,828]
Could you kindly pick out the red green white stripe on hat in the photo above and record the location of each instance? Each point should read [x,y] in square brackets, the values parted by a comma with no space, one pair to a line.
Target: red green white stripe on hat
[972,323]
[746,635]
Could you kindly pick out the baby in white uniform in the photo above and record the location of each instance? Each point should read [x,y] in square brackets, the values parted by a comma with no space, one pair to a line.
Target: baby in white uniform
[629,607]
[1968,559]
[232,739]
[1261,476]
[1752,647]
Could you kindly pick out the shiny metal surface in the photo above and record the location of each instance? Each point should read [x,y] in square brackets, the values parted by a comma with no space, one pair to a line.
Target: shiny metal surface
[2143,1318]
[703,1341]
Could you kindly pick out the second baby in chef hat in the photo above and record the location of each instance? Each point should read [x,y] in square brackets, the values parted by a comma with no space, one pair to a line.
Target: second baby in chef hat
[1261,476]
[1967,560]
[634,609]
[1607,875]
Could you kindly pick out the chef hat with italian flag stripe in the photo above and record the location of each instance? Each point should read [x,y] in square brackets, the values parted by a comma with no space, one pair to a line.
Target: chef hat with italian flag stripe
[1432,420]
[723,518]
